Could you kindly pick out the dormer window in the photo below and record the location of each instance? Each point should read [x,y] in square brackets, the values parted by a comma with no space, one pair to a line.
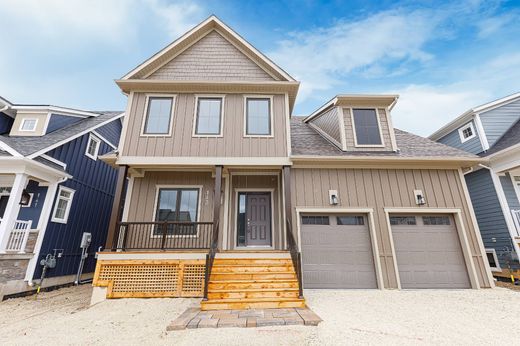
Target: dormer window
[466,132]
[367,132]
[28,124]
[92,147]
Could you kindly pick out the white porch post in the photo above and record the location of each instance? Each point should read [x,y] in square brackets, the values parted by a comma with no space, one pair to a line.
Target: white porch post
[42,226]
[12,209]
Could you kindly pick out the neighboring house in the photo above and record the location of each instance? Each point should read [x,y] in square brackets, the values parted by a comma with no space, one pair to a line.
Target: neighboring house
[232,199]
[492,131]
[53,188]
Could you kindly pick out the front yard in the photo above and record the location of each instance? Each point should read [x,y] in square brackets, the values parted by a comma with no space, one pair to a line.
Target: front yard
[350,317]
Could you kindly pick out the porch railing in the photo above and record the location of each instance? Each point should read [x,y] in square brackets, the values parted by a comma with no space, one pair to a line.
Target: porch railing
[163,235]
[296,256]
[18,237]
[516,220]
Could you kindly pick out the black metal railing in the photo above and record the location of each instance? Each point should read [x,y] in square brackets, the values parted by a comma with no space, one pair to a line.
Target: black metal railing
[163,235]
[210,258]
[296,256]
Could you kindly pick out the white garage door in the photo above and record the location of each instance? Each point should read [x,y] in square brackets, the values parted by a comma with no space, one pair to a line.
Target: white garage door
[337,252]
[428,251]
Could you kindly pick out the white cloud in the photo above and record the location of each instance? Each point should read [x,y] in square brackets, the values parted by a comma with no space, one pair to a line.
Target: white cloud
[320,58]
[178,17]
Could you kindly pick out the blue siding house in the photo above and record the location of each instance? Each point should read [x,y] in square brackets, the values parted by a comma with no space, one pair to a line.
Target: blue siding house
[492,131]
[54,192]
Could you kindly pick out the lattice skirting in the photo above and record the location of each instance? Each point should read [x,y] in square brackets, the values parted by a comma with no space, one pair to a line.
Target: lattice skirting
[150,278]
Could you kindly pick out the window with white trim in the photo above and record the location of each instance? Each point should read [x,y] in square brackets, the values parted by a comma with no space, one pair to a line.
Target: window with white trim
[258,117]
[158,116]
[493,260]
[209,116]
[28,124]
[63,204]
[92,147]
[466,132]
[366,127]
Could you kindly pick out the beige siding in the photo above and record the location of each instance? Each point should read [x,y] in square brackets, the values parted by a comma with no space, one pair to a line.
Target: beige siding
[41,124]
[386,188]
[211,58]
[384,128]
[182,143]
[328,122]
[259,182]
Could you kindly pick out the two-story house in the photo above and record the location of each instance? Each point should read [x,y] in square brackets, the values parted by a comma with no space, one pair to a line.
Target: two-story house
[232,199]
[492,131]
[53,189]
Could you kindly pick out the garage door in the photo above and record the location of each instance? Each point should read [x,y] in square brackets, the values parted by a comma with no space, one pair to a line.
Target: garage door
[428,252]
[337,252]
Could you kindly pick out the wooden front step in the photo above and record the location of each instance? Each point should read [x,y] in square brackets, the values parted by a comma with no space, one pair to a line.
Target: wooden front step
[247,283]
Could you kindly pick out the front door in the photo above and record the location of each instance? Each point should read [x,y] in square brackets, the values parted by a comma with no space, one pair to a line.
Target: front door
[254,219]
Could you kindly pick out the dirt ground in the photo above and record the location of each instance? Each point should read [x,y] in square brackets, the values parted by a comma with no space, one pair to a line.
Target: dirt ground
[350,317]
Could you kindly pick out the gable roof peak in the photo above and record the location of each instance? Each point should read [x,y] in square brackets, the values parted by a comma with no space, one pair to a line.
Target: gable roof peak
[210,24]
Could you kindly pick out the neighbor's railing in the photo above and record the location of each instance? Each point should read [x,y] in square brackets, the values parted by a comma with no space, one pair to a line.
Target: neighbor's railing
[163,235]
[516,220]
[18,237]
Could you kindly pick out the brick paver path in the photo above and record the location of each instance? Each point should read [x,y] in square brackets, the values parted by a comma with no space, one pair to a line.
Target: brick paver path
[195,318]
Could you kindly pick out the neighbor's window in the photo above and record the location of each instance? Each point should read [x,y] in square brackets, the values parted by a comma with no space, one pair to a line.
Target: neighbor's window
[493,260]
[181,205]
[158,117]
[466,132]
[28,124]
[350,220]
[315,219]
[258,117]
[209,114]
[63,205]
[366,126]
[92,147]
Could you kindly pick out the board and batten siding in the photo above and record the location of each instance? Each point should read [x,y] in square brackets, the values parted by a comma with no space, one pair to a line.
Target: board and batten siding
[491,221]
[211,58]
[328,123]
[232,143]
[453,140]
[386,188]
[384,128]
[497,121]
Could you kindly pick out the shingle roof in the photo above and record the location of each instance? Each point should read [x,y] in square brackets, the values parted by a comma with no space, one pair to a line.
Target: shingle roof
[30,145]
[306,141]
[510,138]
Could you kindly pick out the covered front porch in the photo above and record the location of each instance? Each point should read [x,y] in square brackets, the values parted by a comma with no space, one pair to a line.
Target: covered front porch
[184,223]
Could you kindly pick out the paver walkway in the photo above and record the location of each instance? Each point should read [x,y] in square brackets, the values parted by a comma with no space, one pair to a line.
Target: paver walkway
[195,318]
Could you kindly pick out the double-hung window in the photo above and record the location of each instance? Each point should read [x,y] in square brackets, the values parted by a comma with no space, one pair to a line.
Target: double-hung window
[92,147]
[258,117]
[158,116]
[208,116]
[178,205]
[62,205]
[366,127]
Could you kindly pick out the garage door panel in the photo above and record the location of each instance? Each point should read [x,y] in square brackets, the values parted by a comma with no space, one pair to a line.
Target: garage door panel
[429,256]
[337,256]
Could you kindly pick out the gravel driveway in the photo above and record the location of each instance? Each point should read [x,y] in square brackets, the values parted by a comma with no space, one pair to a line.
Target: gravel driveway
[350,317]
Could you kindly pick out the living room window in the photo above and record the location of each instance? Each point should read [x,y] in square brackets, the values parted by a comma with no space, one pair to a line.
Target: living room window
[158,116]
[367,131]
[208,116]
[258,117]
[179,205]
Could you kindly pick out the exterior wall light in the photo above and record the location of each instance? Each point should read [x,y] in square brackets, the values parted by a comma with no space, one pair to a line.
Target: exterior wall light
[25,199]
[333,197]
[419,197]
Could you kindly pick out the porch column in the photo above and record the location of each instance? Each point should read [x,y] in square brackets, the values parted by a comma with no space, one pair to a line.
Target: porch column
[216,203]
[117,206]
[287,197]
[12,209]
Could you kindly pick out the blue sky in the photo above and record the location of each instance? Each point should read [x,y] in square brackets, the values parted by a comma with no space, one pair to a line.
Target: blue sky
[440,57]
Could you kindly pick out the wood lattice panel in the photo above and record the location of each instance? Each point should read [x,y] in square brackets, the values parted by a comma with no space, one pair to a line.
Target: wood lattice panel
[151,278]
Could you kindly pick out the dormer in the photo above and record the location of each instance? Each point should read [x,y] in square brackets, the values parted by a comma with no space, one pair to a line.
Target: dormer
[357,122]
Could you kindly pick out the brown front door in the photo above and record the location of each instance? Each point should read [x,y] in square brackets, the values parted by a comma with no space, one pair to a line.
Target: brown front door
[258,219]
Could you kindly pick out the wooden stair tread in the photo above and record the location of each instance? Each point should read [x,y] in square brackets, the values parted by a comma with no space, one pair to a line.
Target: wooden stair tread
[251,300]
[237,290]
[244,281]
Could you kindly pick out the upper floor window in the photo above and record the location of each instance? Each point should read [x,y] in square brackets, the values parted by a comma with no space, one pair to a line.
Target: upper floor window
[366,127]
[209,116]
[158,116]
[28,124]
[258,117]
[92,147]
[466,132]
[62,205]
